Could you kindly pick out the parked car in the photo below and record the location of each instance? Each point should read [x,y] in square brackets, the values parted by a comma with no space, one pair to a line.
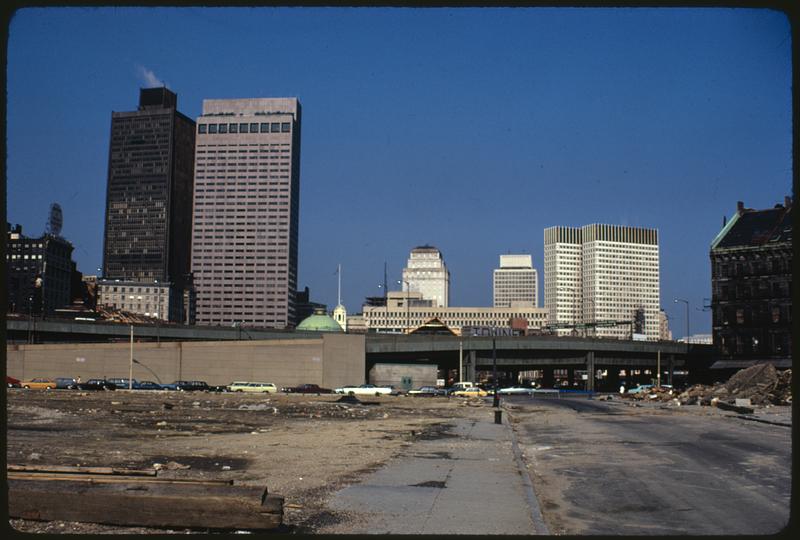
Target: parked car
[516,390]
[365,390]
[11,382]
[39,383]
[427,391]
[457,386]
[220,388]
[471,392]
[192,386]
[306,389]
[123,383]
[148,385]
[243,386]
[97,384]
[66,383]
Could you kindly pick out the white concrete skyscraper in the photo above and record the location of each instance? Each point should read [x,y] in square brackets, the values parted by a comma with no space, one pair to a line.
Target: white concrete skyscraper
[427,274]
[602,273]
[515,282]
[246,203]
[562,275]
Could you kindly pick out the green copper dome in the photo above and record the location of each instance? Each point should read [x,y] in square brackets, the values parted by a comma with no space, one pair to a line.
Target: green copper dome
[319,322]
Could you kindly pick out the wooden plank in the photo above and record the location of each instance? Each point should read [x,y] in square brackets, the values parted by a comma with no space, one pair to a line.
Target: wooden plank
[86,470]
[147,504]
[107,479]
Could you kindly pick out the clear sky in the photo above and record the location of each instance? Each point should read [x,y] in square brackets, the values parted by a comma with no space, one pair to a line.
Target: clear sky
[468,129]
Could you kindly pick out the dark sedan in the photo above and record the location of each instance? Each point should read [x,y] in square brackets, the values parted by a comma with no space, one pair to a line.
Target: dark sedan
[148,385]
[192,386]
[306,389]
[97,384]
[11,382]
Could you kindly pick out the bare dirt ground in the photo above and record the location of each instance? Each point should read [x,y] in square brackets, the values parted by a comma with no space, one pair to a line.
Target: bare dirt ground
[301,447]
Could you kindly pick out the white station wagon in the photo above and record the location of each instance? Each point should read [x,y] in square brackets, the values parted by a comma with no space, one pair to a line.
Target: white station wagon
[243,386]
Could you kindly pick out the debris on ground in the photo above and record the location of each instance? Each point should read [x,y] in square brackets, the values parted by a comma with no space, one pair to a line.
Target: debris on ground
[761,384]
[349,399]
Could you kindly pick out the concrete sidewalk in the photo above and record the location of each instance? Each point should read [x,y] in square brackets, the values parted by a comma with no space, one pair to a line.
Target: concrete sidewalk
[471,481]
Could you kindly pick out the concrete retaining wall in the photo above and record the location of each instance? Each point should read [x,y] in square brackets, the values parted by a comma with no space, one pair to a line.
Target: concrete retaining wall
[392,374]
[328,360]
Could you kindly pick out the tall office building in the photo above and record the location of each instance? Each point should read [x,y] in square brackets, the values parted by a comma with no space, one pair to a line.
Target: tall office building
[427,274]
[246,204]
[599,275]
[149,197]
[562,276]
[514,283]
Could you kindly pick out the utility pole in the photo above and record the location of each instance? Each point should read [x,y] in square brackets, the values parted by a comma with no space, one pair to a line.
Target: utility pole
[408,308]
[460,361]
[496,400]
[130,374]
[658,364]
[339,290]
[687,320]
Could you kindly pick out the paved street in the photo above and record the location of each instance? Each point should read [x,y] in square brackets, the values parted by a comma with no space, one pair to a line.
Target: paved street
[608,468]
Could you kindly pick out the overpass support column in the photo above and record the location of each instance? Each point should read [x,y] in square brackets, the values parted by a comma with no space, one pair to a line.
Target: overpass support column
[547,377]
[670,367]
[590,371]
[469,366]
[570,376]
[613,379]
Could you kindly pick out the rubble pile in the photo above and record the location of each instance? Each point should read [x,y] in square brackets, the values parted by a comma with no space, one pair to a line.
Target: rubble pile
[762,384]
[653,394]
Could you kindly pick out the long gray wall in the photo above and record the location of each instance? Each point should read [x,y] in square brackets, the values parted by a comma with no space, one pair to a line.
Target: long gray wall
[330,361]
[392,374]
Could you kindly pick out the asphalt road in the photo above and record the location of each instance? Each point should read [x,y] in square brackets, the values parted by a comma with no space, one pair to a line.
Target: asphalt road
[607,468]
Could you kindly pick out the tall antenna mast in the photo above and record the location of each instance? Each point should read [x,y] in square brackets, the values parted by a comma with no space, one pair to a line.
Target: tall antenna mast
[340,284]
[385,284]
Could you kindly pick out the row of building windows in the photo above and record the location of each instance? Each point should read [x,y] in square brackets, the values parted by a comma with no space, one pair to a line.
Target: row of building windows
[245,127]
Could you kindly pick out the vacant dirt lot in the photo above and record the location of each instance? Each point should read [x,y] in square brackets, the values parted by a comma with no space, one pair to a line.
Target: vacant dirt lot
[301,447]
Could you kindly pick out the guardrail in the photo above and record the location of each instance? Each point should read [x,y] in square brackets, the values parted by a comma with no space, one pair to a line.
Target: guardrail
[545,392]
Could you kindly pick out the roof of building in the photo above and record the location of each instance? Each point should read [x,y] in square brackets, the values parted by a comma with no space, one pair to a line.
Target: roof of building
[319,321]
[753,228]
[424,249]
[434,326]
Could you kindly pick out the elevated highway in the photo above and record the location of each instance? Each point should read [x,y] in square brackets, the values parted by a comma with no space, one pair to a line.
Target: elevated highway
[513,353]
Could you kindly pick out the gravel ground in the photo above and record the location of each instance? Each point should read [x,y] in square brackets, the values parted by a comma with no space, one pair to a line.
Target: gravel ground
[301,447]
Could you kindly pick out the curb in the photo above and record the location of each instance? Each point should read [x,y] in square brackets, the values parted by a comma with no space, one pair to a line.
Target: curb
[530,494]
[771,422]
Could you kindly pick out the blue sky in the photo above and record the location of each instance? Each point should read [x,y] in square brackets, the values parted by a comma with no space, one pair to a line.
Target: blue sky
[468,129]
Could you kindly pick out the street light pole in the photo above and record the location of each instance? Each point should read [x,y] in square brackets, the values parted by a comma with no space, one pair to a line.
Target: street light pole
[460,361]
[130,374]
[30,319]
[687,319]
[496,400]
[408,308]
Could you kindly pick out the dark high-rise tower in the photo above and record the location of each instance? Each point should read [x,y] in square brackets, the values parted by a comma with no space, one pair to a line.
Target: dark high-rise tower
[149,199]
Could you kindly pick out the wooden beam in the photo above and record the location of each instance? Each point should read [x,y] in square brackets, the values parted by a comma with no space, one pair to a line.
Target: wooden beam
[144,502]
[76,470]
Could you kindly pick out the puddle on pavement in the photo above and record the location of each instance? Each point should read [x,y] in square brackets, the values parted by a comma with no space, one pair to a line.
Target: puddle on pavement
[430,484]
